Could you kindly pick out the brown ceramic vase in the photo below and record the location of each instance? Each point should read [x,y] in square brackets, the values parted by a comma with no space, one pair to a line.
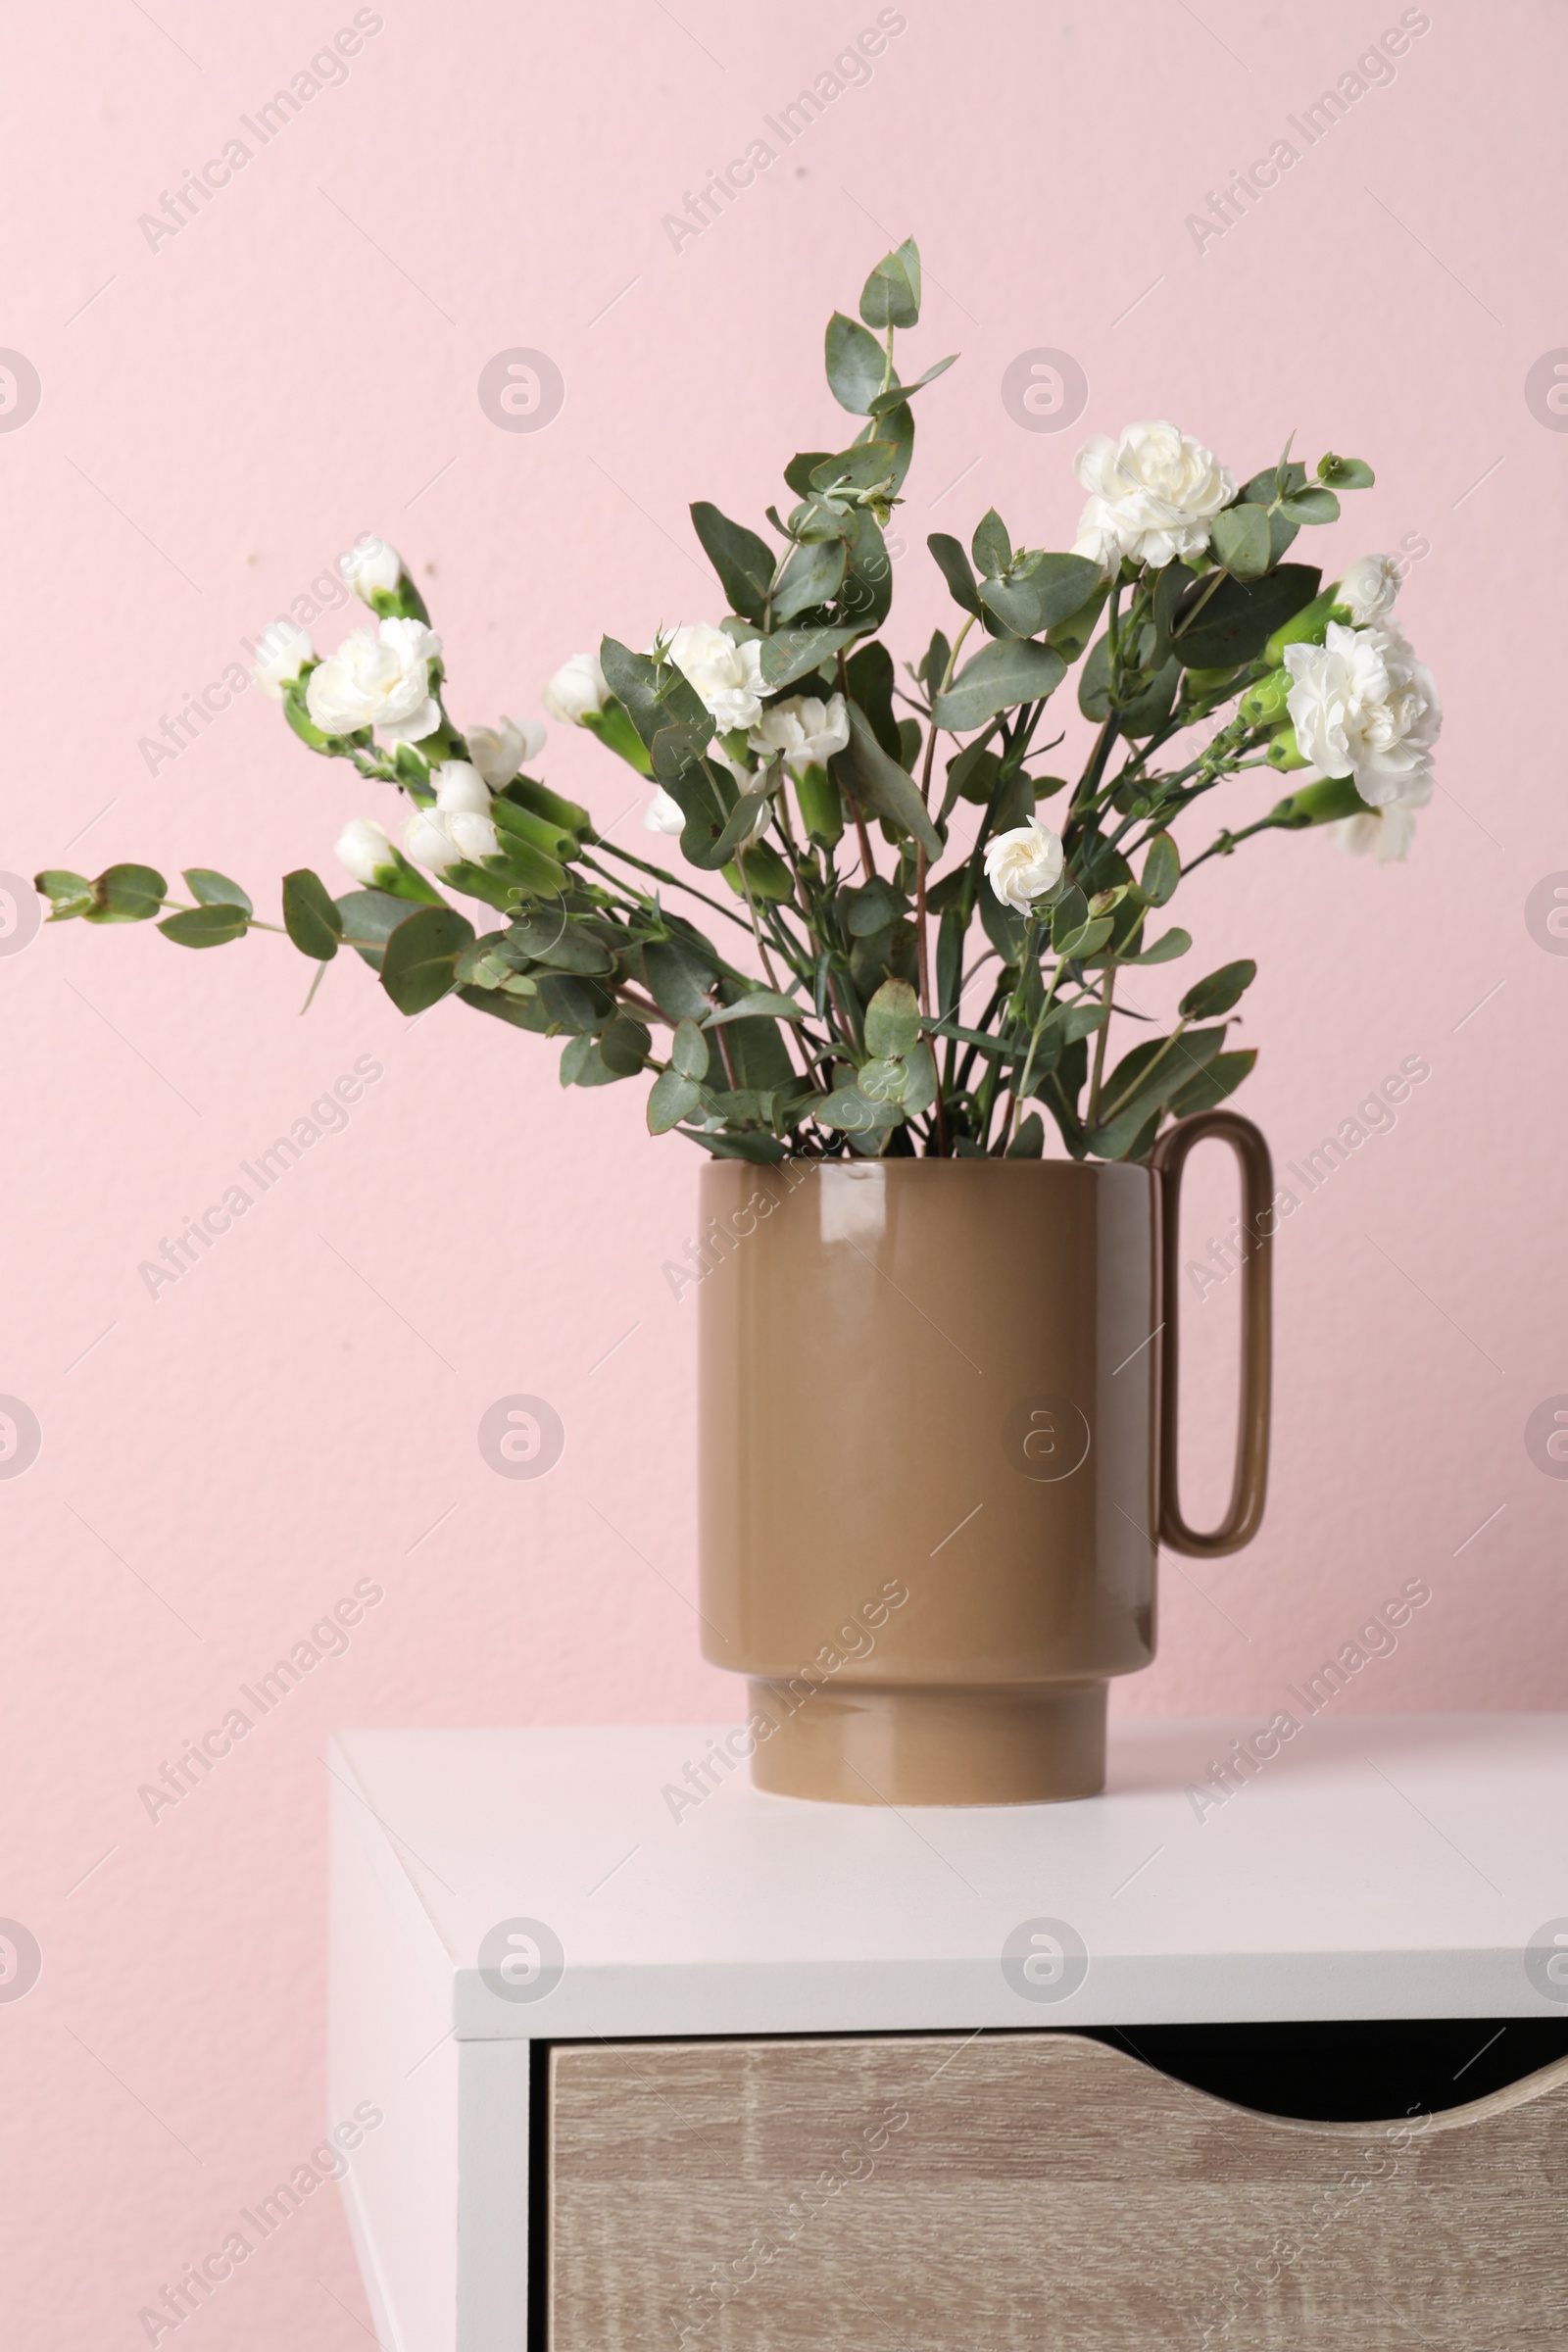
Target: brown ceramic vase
[937,1446]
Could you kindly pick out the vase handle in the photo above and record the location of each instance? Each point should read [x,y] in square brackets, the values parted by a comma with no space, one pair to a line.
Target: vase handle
[1245,1515]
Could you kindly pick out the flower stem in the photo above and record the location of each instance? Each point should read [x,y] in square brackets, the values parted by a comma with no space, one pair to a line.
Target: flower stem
[1142,1079]
[659,875]
[1108,992]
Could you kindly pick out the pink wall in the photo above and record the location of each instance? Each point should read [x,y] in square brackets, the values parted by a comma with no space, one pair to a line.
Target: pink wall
[221,416]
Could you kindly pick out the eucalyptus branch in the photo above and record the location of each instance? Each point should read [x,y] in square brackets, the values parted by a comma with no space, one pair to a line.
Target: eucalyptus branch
[659,875]
[1133,1084]
[529,866]
[1226,842]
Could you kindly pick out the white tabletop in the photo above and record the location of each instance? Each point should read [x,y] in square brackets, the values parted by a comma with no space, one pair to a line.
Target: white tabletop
[1376,1867]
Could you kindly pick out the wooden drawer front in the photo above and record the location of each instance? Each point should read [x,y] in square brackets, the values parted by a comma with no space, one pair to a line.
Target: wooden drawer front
[912,2194]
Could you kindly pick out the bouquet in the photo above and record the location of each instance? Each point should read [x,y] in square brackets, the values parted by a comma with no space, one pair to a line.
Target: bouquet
[864,854]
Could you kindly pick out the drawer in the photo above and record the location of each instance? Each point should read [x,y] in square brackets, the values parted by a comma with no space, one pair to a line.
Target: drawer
[1013,2189]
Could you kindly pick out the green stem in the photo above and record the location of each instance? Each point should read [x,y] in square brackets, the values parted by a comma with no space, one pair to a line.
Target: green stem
[1020,1089]
[659,875]
[1027,962]
[1226,843]
[756,928]
[1083,798]
[1143,1077]
[1210,585]
[968,1064]
[1107,994]
[1113,635]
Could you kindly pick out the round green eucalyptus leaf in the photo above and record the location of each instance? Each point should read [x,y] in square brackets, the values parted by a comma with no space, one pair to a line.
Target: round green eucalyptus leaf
[206,926]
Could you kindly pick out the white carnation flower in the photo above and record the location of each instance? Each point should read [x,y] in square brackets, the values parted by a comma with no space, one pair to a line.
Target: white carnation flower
[1384,833]
[727,677]
[378,678]
[498,753]
[1023,864]
[807,731]
[1363,706]
[1153,495]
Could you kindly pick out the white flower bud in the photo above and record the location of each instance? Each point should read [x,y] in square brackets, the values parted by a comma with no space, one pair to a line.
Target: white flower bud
[364,851]
[576,690]
[663,814]
[281,651]
[458,786]
[475,836]
[371,564]
[429,843]
[1368,588]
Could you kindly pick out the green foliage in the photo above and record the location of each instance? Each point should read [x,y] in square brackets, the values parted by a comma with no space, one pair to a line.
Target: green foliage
[855,364]
[369,917]
[881,785]
[855,1004]
[1001,675]
[1240,540]
[1219,992]
[215,890]
[206,926]
[310,917]
[743,562]
[1233,624]
[419,964]
[954,566]
[68,894]
[1162,870]
[891,295]
[126,894]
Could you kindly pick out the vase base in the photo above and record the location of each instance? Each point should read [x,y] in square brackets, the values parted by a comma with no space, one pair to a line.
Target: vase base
[983,1745]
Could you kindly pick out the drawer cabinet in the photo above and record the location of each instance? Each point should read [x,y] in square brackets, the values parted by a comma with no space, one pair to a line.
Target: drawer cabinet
[1031,2189]
[1289,2075]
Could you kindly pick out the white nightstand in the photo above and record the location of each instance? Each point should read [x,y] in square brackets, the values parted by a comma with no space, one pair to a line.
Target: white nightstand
[512,1910]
